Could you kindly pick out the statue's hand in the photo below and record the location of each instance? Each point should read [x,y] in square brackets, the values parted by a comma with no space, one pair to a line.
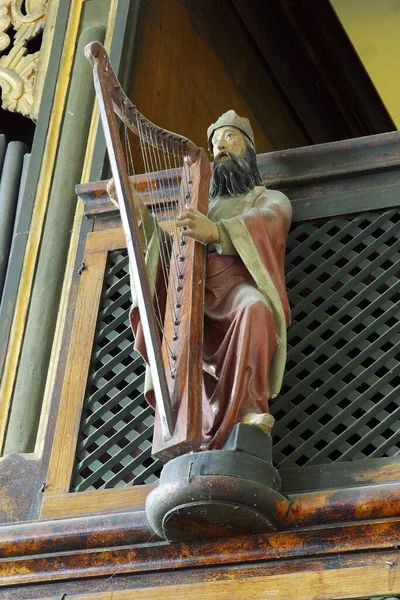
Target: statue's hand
[112,194]
[197,226]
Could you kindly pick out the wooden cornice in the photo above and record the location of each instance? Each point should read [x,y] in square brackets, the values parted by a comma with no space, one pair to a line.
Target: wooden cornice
[358,168]
[71,549]
[319,510]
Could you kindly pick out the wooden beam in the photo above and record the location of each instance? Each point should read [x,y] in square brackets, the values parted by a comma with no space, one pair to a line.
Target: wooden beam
[169,569]
[66,432]
[322,584]
[130,528]
[95,501]
[307,509]
[317,179]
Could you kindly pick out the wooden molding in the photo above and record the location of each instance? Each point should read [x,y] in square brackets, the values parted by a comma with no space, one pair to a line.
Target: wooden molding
[307,509]
[323,583]
[63,452]
[95,501]
[55,551]
[130,528]
[308,176]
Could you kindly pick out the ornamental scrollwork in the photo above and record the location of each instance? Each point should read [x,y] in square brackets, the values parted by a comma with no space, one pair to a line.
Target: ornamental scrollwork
[17,66]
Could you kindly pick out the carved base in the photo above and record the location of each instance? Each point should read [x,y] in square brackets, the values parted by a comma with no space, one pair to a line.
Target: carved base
[219,493]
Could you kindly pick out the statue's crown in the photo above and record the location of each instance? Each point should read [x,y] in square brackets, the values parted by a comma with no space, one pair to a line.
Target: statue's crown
[230,119]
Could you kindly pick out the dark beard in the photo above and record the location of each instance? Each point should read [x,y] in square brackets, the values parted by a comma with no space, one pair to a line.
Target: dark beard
[235,175]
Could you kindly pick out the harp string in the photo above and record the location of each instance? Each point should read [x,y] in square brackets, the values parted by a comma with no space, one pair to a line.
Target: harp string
[158,159]
[131,171]
[172,171]
[178,258]
[181,244]
[156,165]
[172,215]
[163,193]
[145,158]
[163,234]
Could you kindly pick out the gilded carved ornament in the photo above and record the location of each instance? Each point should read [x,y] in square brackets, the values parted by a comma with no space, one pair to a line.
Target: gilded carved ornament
[18,68]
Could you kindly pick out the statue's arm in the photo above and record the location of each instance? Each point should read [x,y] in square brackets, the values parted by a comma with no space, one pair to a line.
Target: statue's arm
[275,207]
[277,214]
[224,246]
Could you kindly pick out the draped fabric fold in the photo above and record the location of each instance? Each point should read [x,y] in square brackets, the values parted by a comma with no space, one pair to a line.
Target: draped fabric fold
[246,308]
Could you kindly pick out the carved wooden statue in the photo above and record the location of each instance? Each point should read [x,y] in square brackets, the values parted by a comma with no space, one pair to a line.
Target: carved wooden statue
[246,310]
[222,268]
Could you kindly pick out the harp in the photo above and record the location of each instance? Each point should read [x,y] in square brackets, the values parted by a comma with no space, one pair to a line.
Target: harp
[176,357]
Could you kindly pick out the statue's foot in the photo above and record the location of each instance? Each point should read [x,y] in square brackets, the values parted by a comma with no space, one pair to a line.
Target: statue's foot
[263,420]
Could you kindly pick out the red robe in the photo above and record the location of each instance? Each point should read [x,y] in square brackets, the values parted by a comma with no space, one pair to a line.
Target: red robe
[246,310]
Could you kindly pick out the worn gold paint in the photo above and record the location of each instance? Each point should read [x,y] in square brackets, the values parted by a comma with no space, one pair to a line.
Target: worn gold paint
[44,56]
[58,336]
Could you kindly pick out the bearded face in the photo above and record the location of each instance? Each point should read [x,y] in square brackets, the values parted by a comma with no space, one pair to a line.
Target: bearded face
[235,174]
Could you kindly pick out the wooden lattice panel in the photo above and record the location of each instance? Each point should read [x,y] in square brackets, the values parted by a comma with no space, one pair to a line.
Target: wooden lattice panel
[114,447]
[340,399]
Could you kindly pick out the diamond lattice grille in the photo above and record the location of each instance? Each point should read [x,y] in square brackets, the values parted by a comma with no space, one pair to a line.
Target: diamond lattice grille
[114,447]
[340,399]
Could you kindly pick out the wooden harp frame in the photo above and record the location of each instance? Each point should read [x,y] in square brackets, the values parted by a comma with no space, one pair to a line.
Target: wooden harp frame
[178,393]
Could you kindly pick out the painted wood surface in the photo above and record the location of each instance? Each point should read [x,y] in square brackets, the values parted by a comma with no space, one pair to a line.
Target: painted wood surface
[321,585]
[186,382]
[171,85]
[318,179]
[106,532]
[232,564]
[66,433]
[95,501]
